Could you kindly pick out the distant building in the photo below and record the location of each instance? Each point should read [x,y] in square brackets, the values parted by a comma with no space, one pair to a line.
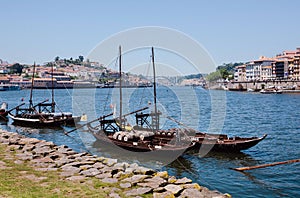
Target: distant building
[266,72]
[240,73]
[4,80]
[44,82]
[294,70]
[259,69]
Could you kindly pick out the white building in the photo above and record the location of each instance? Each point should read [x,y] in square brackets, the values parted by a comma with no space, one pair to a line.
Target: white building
[240,73]
[259,69]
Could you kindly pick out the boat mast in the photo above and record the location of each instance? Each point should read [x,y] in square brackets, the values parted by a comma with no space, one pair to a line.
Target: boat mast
[53,103]
[32,81]
[156,122]
[120,86]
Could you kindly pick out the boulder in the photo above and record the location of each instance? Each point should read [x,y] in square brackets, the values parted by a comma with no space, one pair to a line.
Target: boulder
[175,189]
[163,195]
[125,185]
[192,192]
[90,172]
[109,161]
[137,191]
[183,181]
[135,179]
[110,180]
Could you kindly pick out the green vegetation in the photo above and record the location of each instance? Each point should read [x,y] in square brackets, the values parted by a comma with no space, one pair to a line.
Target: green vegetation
[77,61]
[21,180]
[225,71]
[213,76]
[16,69]
[192,76]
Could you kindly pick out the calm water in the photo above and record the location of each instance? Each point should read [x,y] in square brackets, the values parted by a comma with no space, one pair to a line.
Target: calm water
[244,114]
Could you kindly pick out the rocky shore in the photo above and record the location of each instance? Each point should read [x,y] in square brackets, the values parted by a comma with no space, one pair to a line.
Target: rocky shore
[131,179]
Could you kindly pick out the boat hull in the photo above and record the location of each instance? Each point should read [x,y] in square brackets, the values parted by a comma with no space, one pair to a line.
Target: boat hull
[144,149]
[230,145]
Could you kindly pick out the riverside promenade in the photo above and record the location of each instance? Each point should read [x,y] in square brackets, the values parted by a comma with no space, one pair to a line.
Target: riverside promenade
[105,177]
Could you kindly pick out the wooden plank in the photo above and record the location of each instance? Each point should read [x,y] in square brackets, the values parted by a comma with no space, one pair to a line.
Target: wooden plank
[266,165]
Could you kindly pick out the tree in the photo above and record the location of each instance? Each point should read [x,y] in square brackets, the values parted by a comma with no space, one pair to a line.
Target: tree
[56,58]
[81,58]
[214,76]
[16,68]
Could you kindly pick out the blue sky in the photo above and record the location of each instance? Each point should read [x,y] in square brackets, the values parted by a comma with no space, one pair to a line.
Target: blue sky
[232,30]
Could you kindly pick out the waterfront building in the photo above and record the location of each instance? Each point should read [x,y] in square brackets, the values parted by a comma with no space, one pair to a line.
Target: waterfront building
[280,67]
[240,73]
[295,69]
[254,69]
[44,83]
[4,80]
[266,72]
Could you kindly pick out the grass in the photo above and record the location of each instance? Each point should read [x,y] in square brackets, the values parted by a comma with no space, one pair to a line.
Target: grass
[21,180]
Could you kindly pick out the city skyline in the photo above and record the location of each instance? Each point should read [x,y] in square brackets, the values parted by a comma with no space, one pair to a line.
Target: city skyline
[230,31]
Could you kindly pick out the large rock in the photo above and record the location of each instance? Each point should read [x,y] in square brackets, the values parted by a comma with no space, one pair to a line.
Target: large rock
[192,193]
[42,151]
[162,174]
[86,167]
[109,161]
[175,189]
[103,175]
[99,165]
[194,185]
[125,185]
[135,179]
[43,160]
[144,171]
[156,179]
[29,141]
[110,180]
[163,195]
[114,195]
[25,156]
[137,191]
[183,181]
[90,172]
[70,170]
[63,161]
[172,180]
[150,185]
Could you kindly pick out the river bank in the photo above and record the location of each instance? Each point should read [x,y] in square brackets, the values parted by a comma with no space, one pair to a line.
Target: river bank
[117,179]
[287,86]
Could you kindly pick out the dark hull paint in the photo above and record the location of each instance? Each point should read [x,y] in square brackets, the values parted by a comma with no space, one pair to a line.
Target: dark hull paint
[140,148]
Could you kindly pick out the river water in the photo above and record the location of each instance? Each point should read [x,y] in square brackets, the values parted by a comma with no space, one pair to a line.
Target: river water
[232,113]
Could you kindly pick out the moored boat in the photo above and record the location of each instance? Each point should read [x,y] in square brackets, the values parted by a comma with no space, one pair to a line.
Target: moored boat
[146,135]
[215,142]
[9,87]
[116,131]
[3,110]
[43,113]
[271,91]
[222,143]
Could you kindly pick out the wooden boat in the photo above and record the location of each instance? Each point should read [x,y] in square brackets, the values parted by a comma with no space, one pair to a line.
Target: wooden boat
[115,131]
[140,141]
[41,114]
[146,135]
[4,112]
[222,143]
[215,142]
